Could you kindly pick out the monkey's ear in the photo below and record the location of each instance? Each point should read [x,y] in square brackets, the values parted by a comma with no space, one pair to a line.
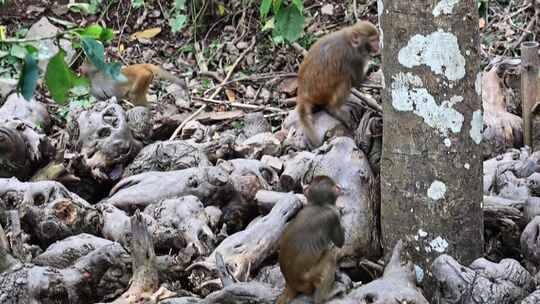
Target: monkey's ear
[339,190]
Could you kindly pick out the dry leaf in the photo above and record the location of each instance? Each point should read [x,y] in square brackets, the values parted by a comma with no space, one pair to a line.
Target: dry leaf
[146,34]
[121,49]
[482,23]
[231,95]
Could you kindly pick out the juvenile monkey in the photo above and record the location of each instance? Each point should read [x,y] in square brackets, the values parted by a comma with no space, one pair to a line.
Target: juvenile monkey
[134,88]
[332,66]
[306,257]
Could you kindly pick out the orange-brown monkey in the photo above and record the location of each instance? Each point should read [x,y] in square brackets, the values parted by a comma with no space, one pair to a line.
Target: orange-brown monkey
[332,66]
[306,257]
[134,88]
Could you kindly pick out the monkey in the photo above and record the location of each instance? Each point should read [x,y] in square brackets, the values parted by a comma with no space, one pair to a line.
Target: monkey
[306,257]
[334,64]
[134,88]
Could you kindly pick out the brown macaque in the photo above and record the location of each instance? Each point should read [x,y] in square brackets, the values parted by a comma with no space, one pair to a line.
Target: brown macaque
[306,256]
[134,88]
[334,64]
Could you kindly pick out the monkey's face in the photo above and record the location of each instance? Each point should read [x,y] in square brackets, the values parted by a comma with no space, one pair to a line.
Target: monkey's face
[365,36]
[373,43]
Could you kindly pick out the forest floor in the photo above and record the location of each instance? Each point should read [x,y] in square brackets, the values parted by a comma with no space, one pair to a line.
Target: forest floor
[207,47]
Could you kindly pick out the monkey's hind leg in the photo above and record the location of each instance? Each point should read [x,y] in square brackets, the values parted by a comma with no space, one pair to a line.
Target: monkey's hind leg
[140,89]
[287,295]
[306,120]
[324,279]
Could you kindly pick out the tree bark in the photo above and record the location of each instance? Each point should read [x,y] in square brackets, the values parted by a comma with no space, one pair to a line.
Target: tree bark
[432,159]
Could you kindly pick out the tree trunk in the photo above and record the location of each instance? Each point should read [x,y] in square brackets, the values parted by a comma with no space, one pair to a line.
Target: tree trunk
[432,159]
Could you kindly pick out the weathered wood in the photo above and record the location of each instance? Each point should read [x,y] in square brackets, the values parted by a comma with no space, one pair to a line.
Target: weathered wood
[398,282]
[246,250]
[431,166]
[17,242]
[145,279]
[482,282]
[529,84]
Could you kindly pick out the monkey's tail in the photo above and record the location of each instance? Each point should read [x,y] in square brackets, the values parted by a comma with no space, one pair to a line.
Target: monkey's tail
[306,118]
[163,74]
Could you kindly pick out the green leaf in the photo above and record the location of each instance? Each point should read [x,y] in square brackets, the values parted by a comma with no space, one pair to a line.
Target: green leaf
[178,23]
[278,39]
[299,5]
[31,49]
[180,4]
[277,6]
[59,78]
[137,3]
[18,51]
[94,6]
[290,24]
[29,77]
[95,52]
[265,8]
[79,7]
[96,32]
[268,25]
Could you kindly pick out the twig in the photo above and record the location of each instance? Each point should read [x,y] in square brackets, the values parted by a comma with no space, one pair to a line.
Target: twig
[519,11]
[124,26]
[300,49]
[528,29]
[355,11]
[368,100]
[238,104]
[185,122]
[251,78]
[105,11]
[210,74]
[24,40]
[231,71]
[216,92]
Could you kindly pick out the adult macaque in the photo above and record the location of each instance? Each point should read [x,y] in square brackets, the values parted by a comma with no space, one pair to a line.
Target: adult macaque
[306,256]
[134,88]
[332,66]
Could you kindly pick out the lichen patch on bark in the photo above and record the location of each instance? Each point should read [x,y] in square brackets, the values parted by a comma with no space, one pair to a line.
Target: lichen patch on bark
[439,244]
[444,7]
[478,84]
[438,50]
[437,190]
[477,124]
[408,94]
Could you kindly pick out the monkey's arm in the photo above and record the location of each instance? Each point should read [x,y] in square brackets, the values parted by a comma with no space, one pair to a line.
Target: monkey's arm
[337,233]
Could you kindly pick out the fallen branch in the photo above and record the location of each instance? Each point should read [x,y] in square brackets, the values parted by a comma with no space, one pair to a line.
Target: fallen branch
[372,103]
[251,78]
[238,105]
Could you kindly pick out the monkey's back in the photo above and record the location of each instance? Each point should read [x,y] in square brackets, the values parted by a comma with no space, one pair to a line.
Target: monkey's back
[305,242]
[324,70]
